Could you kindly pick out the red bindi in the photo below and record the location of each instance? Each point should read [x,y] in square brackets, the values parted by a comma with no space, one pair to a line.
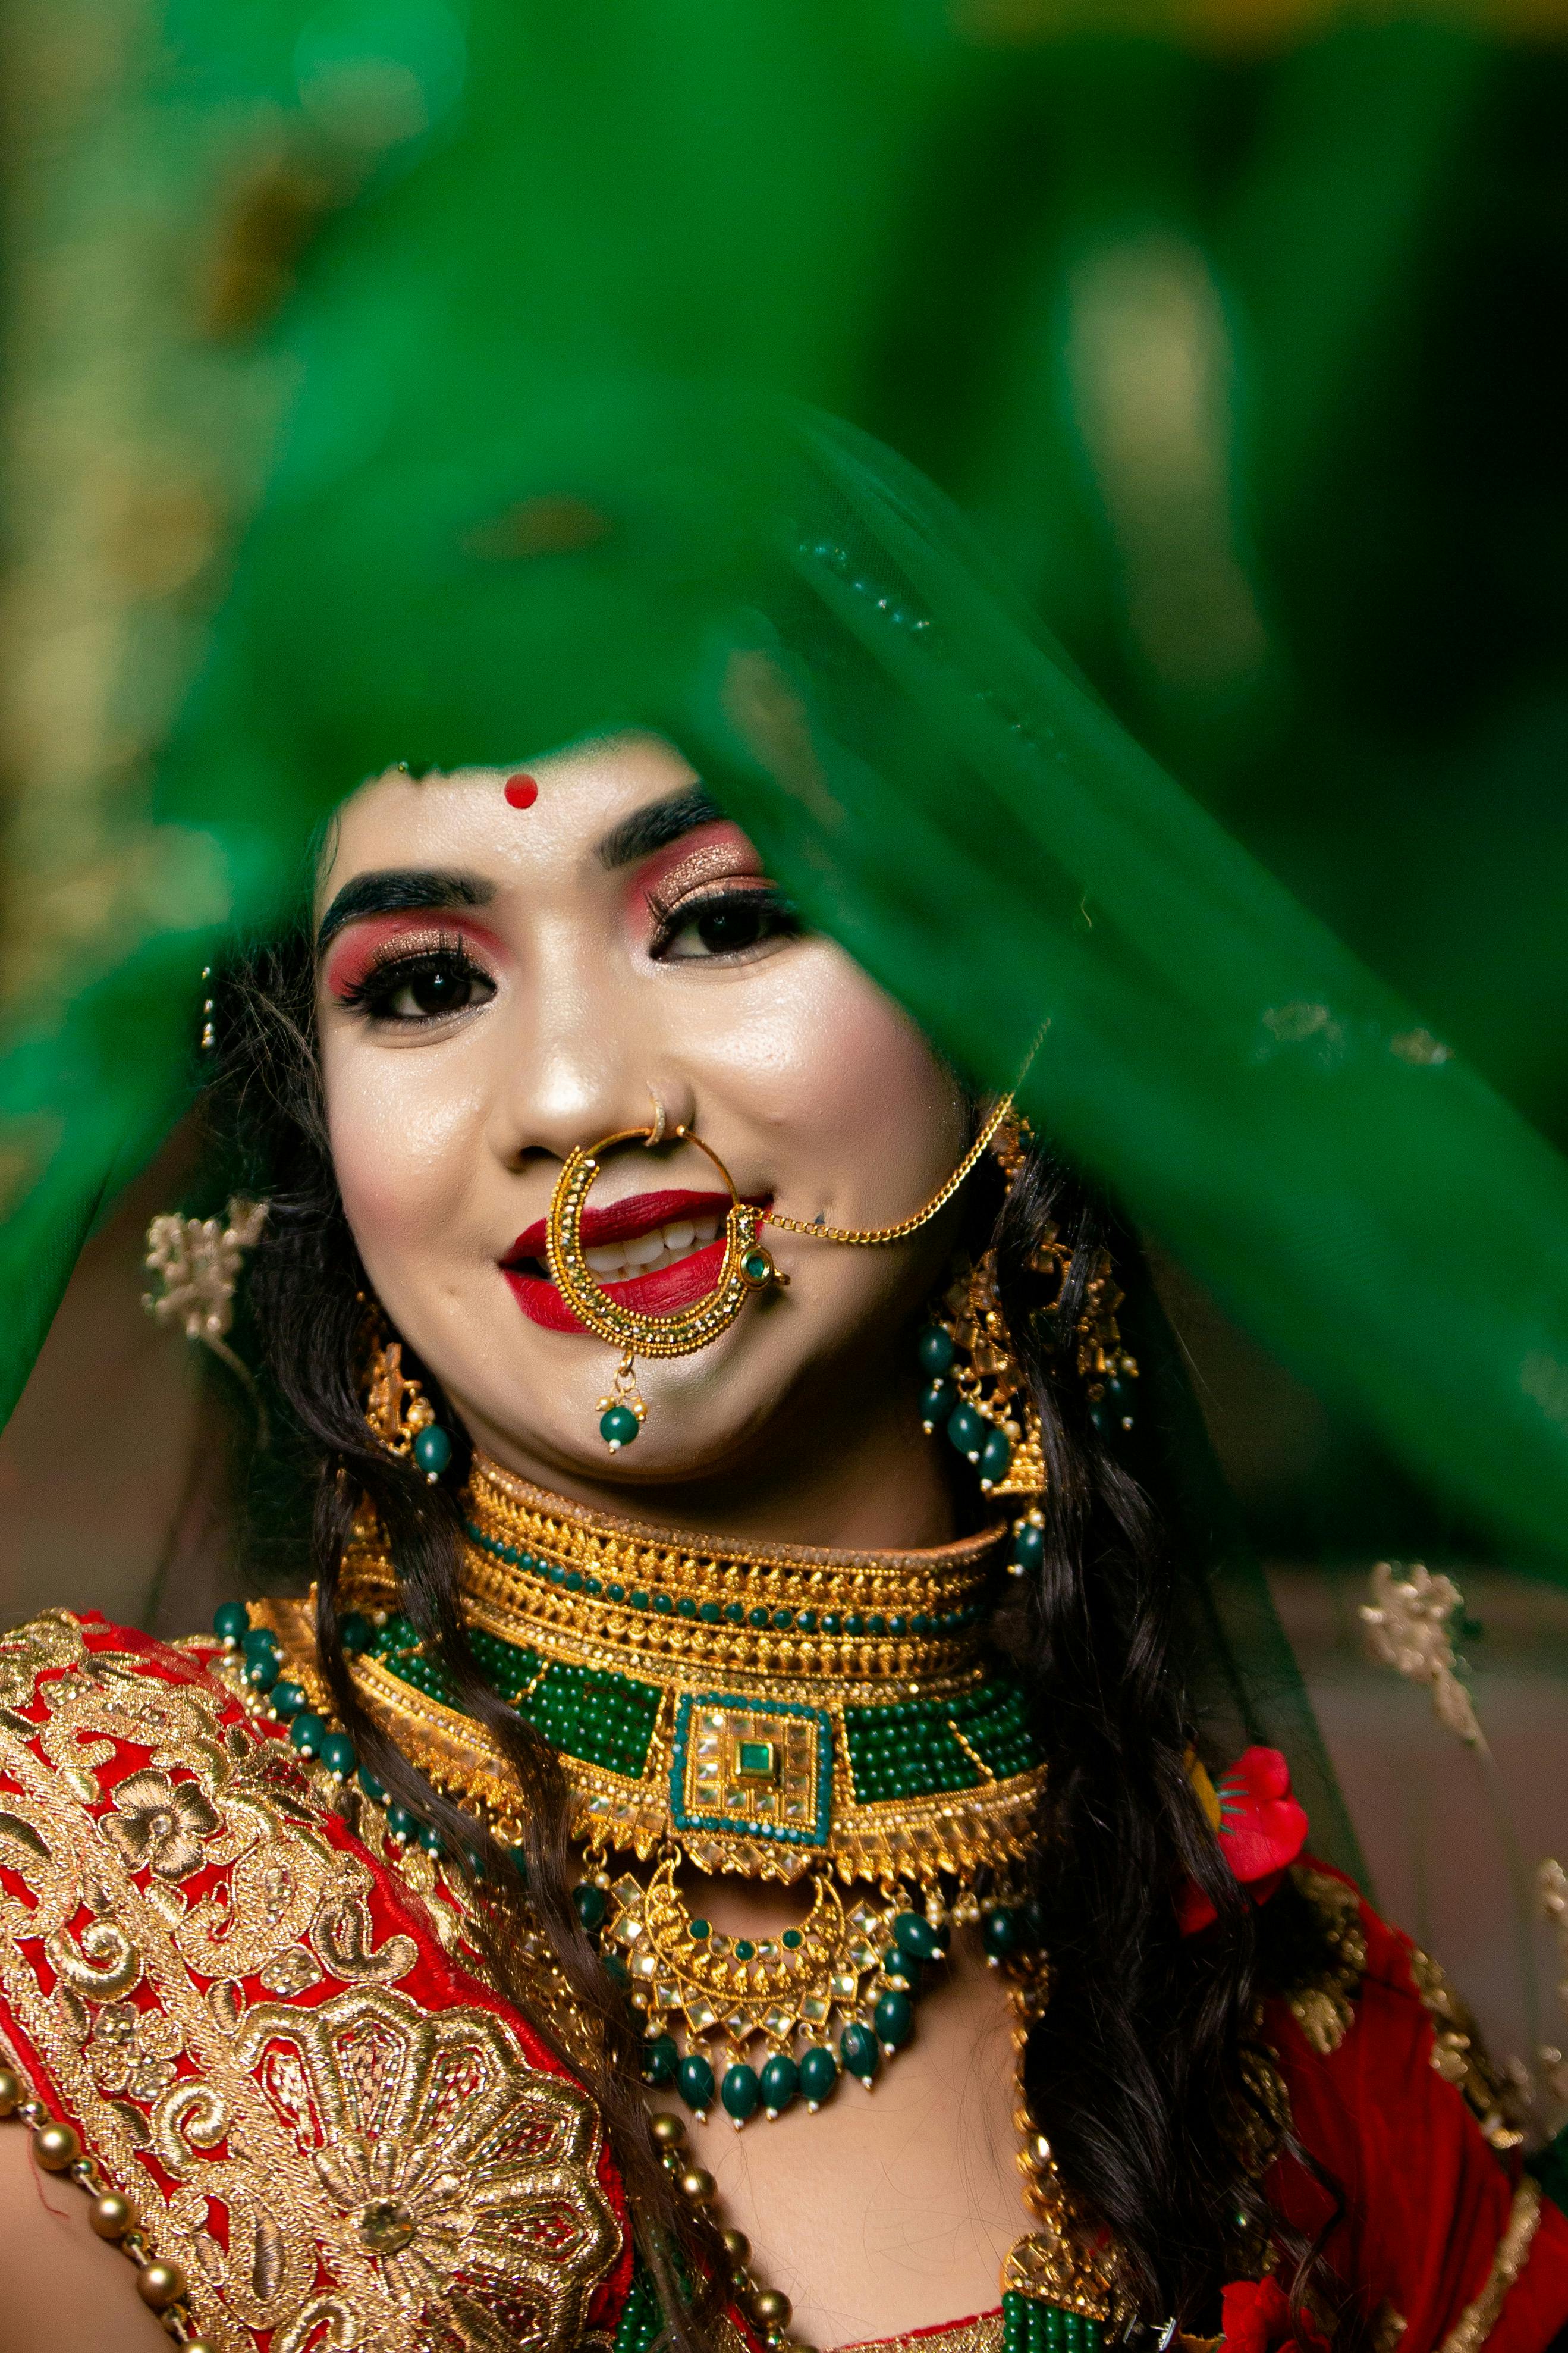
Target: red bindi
[521,792]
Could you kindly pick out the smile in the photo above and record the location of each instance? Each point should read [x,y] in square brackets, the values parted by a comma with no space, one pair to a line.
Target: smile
[654,1252]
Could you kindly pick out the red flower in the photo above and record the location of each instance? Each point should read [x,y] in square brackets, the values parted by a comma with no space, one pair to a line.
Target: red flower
[1256,2313]
[1260,1828]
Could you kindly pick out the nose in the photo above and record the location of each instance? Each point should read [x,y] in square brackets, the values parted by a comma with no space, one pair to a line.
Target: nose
[583,1057]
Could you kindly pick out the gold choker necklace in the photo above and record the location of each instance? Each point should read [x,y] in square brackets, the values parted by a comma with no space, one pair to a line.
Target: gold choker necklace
[776,1711]
[773,1709]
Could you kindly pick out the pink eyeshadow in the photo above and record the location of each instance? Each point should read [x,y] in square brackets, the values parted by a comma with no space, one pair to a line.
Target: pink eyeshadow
[365,944]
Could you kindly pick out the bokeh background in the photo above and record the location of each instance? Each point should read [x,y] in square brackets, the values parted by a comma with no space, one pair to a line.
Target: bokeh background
[1241,331]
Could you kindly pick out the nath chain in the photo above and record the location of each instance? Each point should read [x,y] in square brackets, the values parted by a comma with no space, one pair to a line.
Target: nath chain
[870,1236]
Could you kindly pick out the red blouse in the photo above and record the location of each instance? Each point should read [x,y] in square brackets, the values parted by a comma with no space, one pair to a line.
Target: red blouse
[264,2021]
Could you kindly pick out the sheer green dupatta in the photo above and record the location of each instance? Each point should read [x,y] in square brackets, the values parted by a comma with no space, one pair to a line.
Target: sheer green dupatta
[805,618]
[1000,854]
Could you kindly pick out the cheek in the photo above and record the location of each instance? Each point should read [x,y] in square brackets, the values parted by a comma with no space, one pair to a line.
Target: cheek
[406,1140]
[835,1066]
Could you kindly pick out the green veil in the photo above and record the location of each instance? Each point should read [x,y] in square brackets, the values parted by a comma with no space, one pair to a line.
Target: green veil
[505,511]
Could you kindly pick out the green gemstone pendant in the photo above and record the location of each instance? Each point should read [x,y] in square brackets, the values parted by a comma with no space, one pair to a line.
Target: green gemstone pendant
[623,1412]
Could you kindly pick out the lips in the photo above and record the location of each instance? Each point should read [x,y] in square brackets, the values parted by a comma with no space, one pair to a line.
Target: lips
[619,1221]
[663,1292]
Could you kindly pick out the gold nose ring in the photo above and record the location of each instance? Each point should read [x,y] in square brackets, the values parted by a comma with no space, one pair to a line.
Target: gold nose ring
[747,1267]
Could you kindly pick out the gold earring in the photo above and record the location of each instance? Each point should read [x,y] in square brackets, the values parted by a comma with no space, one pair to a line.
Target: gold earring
[1101,1362]
[399,1414]
[978,1393]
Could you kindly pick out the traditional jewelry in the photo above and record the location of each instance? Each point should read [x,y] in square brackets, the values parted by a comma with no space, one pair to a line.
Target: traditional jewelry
[810,1716]
[746,1267]
[976,1391]
[1062,2285]
[56,2148]
[197,1262]
[1101,1361]
[395,1406]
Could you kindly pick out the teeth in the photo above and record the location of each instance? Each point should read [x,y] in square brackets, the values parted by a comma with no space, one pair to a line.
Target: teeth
[642,1254]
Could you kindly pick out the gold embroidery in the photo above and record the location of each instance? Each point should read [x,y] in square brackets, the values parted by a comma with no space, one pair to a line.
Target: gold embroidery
[454,2172]
[160,1823]
[1324,2009]
[349,2171]
[981,2335]
[1460,2056]
[1478,2319]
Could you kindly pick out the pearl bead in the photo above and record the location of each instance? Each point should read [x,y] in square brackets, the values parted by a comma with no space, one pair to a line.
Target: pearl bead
[10,2091]
[696,2185]
[771,2309]
[160,2284]
[738,2247]
[111,2215]
[669,2131]
[56,2148]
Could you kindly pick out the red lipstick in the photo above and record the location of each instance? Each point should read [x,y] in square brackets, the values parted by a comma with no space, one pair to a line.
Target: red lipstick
[617,1222]
[664,1291]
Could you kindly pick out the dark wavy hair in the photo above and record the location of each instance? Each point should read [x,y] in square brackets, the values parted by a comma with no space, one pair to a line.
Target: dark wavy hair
[1141,2070]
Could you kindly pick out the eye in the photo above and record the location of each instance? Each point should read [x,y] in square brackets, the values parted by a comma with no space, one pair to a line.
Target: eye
[724,923]
[428,987]
[444,989]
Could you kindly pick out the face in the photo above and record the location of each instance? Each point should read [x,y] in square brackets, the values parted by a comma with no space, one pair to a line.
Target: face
[513,962]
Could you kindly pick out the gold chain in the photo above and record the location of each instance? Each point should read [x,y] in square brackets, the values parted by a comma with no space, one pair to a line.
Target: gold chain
[867,1236]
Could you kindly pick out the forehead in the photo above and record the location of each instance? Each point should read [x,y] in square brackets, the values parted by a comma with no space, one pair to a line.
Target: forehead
[466,818]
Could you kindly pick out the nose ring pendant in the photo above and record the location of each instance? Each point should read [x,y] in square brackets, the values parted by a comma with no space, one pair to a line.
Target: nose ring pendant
[747,1267]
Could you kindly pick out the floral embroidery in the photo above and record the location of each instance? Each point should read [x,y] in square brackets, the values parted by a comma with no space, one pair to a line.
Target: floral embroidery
[133,2051]
[383,2156]
[158,1824]
[406,2210]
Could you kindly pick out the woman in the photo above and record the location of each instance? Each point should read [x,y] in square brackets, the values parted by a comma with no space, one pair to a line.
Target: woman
[668,1733]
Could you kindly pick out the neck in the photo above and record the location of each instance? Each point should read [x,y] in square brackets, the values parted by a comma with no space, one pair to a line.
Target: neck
[855,1474]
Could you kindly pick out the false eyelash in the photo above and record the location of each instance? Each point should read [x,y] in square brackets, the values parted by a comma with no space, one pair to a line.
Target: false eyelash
[668,921]
[391,967]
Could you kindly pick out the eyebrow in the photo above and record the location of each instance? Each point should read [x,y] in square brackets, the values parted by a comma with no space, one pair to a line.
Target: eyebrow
[656,827]
[398,890]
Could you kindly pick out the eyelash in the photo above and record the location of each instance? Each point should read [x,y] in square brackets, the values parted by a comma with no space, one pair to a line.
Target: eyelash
[763,898]
[372,991]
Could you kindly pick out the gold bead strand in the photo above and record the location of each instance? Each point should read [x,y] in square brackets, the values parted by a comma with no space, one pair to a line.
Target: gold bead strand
[768,2307]
[57,2145]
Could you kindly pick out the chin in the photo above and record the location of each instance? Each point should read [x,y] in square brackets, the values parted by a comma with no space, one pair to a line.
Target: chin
[699,1431]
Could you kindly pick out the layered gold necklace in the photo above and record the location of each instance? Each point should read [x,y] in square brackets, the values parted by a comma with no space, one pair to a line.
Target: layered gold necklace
[828,1718]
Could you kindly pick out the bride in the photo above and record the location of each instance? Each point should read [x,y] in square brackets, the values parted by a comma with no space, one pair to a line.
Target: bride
[725,1848]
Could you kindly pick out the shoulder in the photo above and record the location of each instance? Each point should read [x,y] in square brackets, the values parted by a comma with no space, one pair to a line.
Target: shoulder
[258,2020]
[1409,2158]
